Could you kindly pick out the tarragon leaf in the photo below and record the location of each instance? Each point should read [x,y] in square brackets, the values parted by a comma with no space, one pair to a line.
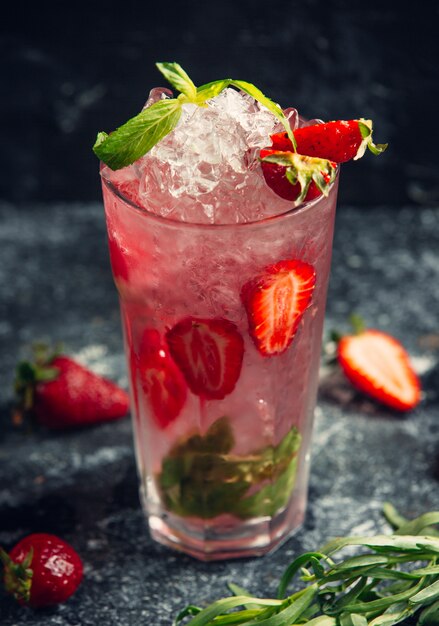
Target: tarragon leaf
[177,77]
[426,595]
[135,138]
[430,615]
[351,619]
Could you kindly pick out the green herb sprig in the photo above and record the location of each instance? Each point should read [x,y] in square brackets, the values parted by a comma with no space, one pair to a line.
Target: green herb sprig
[395,577]
[137,136]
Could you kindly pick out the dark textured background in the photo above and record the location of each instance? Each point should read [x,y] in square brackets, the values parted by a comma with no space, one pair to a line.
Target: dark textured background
[70,69]
[73,68]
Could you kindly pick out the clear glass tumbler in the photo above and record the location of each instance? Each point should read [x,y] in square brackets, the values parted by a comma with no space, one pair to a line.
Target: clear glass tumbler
[221,431]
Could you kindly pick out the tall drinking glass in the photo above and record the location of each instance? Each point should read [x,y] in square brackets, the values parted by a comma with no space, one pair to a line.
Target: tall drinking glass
[222,431]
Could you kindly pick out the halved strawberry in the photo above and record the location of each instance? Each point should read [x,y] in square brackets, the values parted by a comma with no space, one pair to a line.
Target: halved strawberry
[305,170]
[162,381]
[275,303]
[209,352]
[378,365]
[337,141]
[309,168]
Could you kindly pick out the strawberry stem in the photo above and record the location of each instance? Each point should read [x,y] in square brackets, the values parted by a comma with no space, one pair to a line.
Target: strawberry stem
[29,374]
[358,324]
[18,576]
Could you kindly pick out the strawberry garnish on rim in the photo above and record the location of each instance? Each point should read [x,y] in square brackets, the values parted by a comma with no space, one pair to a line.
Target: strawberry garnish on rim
[162,381]
[379,366]
[275,303]
[209,353]
[296,177]
[310,166]
[338,141]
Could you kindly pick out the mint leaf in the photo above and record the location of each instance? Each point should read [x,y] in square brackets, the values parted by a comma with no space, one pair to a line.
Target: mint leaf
[135,138]
[211,90]
[177,77]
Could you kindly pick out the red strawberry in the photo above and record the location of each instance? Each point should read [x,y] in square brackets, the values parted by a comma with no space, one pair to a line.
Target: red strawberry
[61,393]
[41,570]
[162,381]
[276,177]
[209,352]
[337,141]
[275,304]
[378,365]
[330,143]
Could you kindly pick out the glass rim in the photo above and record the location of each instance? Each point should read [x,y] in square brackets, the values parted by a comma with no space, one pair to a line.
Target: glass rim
[285,215]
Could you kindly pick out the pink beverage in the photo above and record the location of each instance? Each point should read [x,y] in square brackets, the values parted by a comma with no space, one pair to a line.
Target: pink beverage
[211,267]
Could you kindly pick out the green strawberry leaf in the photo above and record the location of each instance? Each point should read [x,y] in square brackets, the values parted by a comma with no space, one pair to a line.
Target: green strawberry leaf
[365,127]
[304,169]
[177,77]
[137,136]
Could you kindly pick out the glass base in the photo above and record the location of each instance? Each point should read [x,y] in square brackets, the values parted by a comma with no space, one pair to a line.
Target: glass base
[213,540]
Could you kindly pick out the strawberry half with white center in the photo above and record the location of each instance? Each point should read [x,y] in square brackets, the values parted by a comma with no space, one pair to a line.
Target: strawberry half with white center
[162,381]
[62,393]
[379,366]
[275,303]
[209,352]
[309,166]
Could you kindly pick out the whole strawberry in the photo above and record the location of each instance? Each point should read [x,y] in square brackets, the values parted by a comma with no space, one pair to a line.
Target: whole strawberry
[62,393]
[41,570]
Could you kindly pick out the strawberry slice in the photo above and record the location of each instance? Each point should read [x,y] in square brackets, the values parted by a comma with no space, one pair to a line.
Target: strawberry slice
[209,352]
[337,141]
[378,365]
[162,381]
[275,303]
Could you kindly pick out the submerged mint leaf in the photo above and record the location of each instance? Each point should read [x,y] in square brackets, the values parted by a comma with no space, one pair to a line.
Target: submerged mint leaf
[135,138]
[178,78]
[200,476]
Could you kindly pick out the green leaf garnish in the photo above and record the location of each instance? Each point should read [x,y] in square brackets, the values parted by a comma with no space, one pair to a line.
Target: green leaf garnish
[355,591]
[136,137]
[177,77]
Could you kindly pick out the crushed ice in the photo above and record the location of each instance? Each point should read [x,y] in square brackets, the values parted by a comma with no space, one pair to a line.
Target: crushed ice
[207,169]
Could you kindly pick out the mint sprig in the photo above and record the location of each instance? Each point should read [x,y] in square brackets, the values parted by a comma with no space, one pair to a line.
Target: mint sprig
[136,137]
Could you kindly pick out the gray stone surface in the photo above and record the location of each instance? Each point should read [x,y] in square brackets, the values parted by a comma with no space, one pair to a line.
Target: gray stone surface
[55,283]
